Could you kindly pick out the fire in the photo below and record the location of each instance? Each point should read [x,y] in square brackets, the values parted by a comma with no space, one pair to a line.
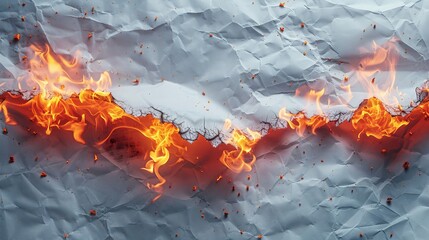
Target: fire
[67,100]
[84,108]
[50,109]
[8,119]
[300,121]
[162,135]
[349,95]
[72,114]
[313,97]
[52,74]
[383,59]
[372,119]
[237,160]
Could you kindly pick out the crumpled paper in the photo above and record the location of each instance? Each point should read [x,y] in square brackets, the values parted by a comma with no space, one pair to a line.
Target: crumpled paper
[201,63]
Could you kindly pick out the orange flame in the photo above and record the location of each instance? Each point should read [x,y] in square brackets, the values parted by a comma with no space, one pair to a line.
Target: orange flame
[162,135]
[70,114]
[373,119]
[299,121]
[349,95]
[50,110]
[313,97]
[85,108]
[51,74]
[384,59]
[66,104]
[235,160]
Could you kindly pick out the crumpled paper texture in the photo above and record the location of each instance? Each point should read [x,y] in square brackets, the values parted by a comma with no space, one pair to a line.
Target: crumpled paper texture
[200,63]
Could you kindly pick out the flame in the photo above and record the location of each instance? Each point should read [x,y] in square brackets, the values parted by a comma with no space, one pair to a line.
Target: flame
[69,114]
[8,119]
[383,59]
[67,100]
[51,74]
[300,122]
[372,119]
[349,95]
[162,135]
[227,124]
[235,160]
[313,97]
[84,108]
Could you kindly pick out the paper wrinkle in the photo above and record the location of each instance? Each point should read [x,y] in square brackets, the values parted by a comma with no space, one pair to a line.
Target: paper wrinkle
[180,62]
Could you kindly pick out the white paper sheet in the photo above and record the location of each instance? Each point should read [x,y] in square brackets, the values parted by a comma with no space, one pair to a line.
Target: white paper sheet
[203,62]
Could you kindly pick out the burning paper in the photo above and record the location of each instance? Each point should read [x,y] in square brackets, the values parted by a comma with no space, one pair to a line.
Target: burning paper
[272,121]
